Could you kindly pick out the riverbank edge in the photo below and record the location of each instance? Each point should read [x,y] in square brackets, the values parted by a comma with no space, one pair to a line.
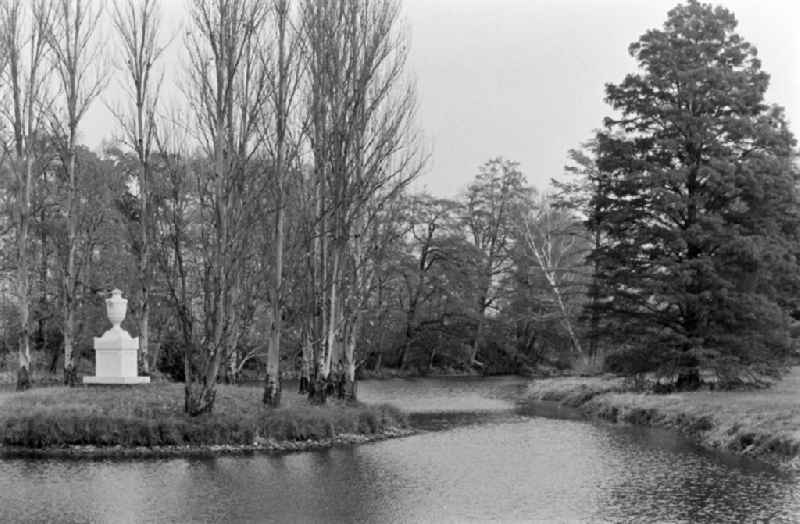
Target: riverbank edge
[263,446]
[608,400]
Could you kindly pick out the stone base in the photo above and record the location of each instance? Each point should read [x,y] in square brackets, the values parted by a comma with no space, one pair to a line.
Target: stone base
[115,380]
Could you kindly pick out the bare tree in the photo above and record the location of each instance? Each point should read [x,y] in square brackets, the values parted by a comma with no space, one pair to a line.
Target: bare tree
[429,219]
[227,90]
[283,72]
[138,25]
[77,64]
[493,200]
[172,256]
[365,152]
[24,28]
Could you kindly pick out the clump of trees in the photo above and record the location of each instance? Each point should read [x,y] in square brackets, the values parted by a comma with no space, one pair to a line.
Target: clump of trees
[295,141]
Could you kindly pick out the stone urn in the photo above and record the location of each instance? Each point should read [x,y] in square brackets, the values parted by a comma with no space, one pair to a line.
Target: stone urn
[116,351]
[116,308]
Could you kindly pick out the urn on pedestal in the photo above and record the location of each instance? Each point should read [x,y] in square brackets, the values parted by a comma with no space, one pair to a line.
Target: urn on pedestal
[116,350]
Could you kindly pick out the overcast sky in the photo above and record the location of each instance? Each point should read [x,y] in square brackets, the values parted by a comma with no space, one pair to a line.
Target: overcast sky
[524,79]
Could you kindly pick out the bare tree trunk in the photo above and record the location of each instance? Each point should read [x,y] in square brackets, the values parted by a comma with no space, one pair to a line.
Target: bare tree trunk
[318,379]
[335,310]
[43,279]
[24,378]
[481,310]
[594,321]
[316,390]
[307,360]
[143,265]
[331,327]
[68,290]
[23,288]
[565,317]
[144,278]
[473,357]
[382,336]
[283,86]
[350,384]
[23,280]
[272,384]
[411,325]
[232,371]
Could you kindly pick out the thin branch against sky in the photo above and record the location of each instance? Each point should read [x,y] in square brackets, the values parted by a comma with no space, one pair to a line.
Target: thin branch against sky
[524,78]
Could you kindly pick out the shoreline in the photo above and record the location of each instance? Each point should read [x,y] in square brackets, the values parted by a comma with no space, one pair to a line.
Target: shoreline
[264,446]
[759,424]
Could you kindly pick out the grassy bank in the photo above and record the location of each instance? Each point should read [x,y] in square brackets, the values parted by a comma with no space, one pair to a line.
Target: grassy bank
[762,423]
[152,417]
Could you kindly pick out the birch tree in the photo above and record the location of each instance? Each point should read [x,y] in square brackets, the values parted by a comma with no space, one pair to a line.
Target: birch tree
[576,196]
[77,65]
[550,237]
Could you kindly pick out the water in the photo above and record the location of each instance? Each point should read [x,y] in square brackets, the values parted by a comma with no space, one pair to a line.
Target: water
[479,460]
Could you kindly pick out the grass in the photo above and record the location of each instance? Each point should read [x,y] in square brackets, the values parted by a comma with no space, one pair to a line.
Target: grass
[574,391]
[764,423]
[153,416]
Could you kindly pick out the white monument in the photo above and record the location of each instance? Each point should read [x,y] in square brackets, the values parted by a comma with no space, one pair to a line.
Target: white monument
[115,352]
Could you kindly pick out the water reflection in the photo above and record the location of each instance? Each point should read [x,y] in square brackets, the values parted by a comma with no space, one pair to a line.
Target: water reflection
[497,465]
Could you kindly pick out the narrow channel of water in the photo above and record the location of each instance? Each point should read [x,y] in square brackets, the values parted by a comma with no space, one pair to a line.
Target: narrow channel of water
[482,460]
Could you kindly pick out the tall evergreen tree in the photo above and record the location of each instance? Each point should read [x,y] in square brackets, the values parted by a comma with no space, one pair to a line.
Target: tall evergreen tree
[697,199]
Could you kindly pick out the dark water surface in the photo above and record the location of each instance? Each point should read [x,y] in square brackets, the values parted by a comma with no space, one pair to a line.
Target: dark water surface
[485,460]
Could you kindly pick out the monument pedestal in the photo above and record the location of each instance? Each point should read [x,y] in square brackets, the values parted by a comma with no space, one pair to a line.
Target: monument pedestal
[116,351]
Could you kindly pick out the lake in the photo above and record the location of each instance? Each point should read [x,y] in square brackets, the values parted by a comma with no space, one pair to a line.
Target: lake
[480,457]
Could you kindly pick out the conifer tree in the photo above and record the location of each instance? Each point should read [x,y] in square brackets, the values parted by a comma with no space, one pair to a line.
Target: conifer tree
[697,200]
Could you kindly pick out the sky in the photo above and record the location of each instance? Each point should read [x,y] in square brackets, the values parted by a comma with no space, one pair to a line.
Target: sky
[524,79]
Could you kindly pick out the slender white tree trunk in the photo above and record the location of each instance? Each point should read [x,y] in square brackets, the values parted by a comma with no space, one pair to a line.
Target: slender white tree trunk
[23,279]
